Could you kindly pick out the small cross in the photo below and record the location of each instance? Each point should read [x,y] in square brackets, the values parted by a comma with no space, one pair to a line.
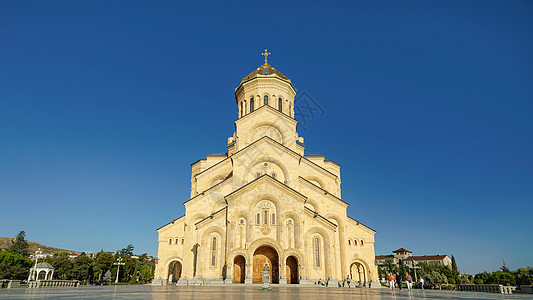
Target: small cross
[265,54]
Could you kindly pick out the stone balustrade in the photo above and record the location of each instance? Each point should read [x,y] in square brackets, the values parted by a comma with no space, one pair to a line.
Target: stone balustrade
[487,288]
[3,283]
[53,283]
[9,284]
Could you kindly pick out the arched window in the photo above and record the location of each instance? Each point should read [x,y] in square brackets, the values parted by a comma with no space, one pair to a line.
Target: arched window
[280,105]
[266,100]
[258,175]
[361,242]
[170,242]
[176,241]
[274,175]
[258,221]
[182,241]
[252,104]
[290,110]
[273,219]
[214,252]
[289,222]
[266,217]
[349,243]
[317,252]
[242,109]
[355,242]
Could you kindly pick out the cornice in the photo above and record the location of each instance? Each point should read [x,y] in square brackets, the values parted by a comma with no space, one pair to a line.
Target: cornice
[171,222]
[357,223]
[337,199]
[210,188]
[318,216]
[211,216]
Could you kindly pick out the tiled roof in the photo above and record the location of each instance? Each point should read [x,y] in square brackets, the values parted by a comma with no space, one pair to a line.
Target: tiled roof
[426,257]
[401,250]
[384,256]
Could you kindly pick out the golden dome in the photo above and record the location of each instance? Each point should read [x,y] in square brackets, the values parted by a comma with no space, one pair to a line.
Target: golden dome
[265,70]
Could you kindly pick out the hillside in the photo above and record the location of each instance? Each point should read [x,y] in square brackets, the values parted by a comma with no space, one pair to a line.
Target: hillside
[5,243]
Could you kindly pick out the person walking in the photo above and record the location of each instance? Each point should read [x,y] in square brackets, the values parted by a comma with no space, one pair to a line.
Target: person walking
[348,280]
[391,281]
[421,280]
[408,281]
[399,280]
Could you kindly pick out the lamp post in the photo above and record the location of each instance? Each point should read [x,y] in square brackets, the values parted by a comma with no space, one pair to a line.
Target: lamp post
[118,263]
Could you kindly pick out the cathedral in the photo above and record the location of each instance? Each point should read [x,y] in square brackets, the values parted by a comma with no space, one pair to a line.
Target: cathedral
[265,204]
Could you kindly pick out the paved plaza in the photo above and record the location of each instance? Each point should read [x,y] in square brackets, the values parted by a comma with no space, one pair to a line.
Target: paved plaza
[239,292]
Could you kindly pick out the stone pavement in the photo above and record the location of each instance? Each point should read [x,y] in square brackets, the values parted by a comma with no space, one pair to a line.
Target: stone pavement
[239,292]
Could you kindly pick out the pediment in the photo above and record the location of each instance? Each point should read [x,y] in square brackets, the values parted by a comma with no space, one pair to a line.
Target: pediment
[266,144]
[266,121]
[267,184]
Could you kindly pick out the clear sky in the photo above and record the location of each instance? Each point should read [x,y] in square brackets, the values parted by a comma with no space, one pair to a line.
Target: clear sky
[427,106]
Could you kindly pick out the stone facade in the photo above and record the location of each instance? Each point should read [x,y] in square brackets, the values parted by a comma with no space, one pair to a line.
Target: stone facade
[265,203]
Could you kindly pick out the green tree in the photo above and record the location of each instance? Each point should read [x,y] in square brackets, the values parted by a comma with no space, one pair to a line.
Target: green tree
[381,273]
[455,270]
[128,251]
[128,269]
[62,265]
[436,278]
[481,278]
[444,270]
[501,277]
[401,269]
[524,276]
[82,268]
[102,263]
[390,266]
[146,272]
[20,245]
[14,266]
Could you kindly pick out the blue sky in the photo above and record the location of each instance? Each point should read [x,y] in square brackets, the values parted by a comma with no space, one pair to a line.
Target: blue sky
[104,105]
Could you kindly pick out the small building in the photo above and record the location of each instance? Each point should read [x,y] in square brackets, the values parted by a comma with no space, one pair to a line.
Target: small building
[411,261]
[40,255]
[41,271]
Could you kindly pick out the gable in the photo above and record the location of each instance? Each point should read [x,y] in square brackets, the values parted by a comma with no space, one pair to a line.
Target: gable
[262,183]
[266,121]
[270,148]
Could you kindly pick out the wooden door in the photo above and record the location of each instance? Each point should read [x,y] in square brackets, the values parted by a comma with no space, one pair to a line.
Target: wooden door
[239,269]
[265,255]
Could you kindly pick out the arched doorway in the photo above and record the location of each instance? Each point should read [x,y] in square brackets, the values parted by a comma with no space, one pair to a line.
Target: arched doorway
[42,275]
[262,255]
[358,273]
[239,269]
[292,270]
[174,271]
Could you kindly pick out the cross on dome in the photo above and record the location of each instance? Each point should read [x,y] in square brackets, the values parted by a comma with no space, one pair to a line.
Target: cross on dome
[265,54]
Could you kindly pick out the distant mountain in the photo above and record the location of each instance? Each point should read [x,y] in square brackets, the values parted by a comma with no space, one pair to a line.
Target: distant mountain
[5,244]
